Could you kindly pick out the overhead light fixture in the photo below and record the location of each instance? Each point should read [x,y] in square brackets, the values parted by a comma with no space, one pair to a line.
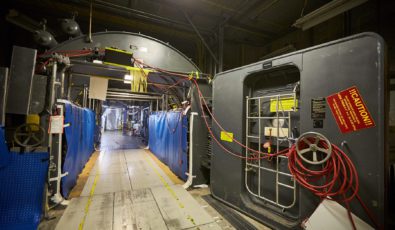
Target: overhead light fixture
[128,79]
[326,12]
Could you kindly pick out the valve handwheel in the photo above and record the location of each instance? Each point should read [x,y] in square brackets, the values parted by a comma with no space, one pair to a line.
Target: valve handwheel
[29,135]
[313,142]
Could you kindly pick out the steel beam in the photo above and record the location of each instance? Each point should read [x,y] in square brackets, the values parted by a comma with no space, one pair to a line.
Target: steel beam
[200,36]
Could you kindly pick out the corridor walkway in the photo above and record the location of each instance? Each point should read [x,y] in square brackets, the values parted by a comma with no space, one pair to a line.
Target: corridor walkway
[126,189]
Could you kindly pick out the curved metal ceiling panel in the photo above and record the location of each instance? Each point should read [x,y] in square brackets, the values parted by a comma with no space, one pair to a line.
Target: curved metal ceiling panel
[152,51]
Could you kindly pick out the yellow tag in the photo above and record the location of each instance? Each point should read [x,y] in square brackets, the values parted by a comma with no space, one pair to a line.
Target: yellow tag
[33,119]
[286,104]
[226,136]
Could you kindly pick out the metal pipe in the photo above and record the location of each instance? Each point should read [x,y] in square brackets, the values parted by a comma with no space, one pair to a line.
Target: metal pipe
[90,22]
[220,48]
[59,164]
[201,37]
[163,102]
[128,91]
[84,96]
[62,77]
[144,15]
[133,96]
[259,145]
[57,197]
[130,95]
[69,85]
[190,175]
[128,99]
[52,86]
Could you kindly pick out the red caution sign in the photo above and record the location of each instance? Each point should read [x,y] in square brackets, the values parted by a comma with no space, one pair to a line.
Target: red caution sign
[350,111]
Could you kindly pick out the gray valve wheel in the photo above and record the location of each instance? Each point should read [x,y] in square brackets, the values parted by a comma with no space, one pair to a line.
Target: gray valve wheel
[313,140]
[29,135]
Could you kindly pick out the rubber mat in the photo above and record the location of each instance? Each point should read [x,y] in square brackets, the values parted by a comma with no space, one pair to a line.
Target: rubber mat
[229,214]
[21,190]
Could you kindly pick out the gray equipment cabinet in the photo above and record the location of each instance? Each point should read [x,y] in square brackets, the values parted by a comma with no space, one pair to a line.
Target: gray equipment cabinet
[264,190]
[26,90]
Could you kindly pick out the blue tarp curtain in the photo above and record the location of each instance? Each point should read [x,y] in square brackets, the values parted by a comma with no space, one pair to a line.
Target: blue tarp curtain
[22,180]
[168,140]
[80,140]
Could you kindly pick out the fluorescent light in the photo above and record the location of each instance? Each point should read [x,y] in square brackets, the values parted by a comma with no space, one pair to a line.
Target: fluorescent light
[128,79]
[143,49]
[326,12]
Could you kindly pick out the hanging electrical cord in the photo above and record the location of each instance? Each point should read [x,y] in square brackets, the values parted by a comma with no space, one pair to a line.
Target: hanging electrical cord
[201,97]
[69,53]
[257,155]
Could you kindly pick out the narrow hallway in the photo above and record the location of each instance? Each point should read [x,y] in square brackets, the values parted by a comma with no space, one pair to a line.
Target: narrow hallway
[128,190]
[120,139]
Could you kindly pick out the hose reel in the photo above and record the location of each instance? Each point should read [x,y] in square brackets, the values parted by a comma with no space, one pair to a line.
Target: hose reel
[309,144]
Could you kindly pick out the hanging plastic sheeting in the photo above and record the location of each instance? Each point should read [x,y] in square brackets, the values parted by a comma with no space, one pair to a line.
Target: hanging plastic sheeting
[80,139]
[22,182]
[168,140]
[112,118]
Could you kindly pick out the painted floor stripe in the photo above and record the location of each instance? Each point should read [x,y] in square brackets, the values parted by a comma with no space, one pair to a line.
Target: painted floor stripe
[88,203]
[169,189]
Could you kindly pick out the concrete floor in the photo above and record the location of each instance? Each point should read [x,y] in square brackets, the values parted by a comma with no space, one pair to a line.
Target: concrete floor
[126,188]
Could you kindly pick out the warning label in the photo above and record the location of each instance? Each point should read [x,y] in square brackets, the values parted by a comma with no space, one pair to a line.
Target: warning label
[226,136]
[286,104]
[349,110]
[318,107]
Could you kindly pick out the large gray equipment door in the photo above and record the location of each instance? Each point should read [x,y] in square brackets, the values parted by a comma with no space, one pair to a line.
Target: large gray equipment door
[321,71]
